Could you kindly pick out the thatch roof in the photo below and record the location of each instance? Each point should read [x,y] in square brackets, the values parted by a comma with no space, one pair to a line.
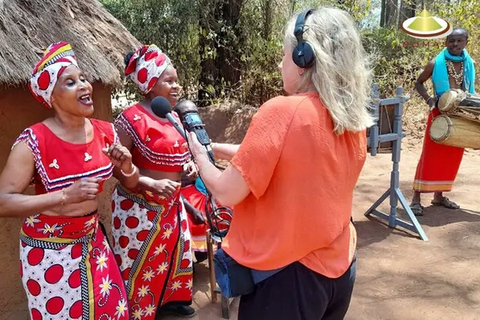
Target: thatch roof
[27,27]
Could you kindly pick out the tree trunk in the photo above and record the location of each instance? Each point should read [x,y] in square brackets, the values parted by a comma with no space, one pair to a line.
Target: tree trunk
[209,72]
[267,13]
[390,13]
[407,10]
[382,14]
[220,39]
[230,41]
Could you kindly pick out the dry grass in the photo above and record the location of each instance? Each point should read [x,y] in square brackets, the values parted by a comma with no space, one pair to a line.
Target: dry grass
[27,27]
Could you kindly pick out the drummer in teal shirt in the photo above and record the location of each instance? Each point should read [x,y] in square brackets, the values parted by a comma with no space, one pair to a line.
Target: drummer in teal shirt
[437,169]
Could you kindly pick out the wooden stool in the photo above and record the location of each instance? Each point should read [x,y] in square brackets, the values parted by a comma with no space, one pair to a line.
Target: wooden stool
[214,290]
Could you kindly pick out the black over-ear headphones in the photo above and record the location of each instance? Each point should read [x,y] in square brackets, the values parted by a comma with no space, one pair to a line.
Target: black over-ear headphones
[302,54]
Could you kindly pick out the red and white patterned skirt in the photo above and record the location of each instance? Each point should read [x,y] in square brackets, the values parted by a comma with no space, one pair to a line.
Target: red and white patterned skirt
[69,271]
[153,249]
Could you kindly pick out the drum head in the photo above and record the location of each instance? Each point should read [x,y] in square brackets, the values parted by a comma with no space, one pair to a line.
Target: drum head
[447,101]
[440,128]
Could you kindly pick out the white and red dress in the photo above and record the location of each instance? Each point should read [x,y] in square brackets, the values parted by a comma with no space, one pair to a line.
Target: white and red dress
[68,269]
[151,238]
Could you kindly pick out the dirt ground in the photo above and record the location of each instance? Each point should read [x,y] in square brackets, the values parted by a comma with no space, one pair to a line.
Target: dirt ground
[400,277]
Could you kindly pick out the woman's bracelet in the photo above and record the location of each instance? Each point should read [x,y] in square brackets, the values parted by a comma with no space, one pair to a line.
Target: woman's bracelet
[127,175]
[428,100]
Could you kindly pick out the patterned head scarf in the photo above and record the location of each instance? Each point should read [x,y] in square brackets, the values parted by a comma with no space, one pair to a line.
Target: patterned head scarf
[145,66]
[56,59]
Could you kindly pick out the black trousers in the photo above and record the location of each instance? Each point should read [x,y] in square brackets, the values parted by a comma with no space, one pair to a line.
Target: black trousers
[298,293]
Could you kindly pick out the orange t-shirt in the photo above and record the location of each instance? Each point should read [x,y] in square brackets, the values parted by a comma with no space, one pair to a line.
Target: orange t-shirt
[301,176]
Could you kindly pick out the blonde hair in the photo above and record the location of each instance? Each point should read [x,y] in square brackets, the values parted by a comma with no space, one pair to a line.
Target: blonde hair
[340,73]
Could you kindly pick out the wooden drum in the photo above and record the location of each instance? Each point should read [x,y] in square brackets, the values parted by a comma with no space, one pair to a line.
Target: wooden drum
[458,103]
[455,131]
[450,100]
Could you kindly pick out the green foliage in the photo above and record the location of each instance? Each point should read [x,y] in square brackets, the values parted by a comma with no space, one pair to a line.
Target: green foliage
[261,78]
[397,58]
[464,14]
[191,33]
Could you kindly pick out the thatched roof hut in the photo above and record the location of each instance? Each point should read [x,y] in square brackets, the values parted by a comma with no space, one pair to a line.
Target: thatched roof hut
[27,27]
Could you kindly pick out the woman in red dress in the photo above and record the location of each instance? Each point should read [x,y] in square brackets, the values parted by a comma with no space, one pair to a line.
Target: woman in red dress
[68,269]
[151,237]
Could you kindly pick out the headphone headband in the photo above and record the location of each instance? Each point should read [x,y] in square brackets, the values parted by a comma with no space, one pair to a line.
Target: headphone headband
[300,24]
[303,54]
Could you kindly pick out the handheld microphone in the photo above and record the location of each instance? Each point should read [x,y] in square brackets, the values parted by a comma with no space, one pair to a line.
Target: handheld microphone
[218,218]
[161,108]
[191,120]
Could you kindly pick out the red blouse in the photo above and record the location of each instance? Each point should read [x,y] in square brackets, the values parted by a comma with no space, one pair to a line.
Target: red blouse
[58,163]
[156,145]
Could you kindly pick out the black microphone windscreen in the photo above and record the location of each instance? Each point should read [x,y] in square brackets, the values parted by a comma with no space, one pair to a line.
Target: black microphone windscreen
[161,106]
[185,106]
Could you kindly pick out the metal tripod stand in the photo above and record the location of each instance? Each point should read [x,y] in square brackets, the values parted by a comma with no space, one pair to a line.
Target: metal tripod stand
[393,193]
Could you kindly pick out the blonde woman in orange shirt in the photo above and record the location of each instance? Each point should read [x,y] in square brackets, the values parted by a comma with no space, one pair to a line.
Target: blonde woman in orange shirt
[292,178]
